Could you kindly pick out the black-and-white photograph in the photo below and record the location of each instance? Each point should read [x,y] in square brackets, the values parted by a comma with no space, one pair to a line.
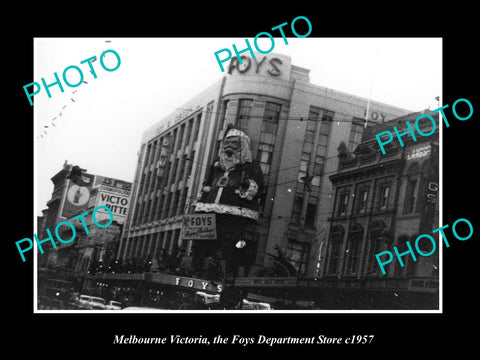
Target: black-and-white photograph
[211,175]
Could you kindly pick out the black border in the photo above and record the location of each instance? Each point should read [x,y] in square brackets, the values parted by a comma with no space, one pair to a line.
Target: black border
[92,335]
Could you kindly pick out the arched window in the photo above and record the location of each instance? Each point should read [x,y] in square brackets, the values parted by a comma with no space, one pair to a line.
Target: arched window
[336,238]
[375,241]
[352,251]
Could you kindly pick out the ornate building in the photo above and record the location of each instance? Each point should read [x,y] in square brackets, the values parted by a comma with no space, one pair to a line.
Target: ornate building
[382,201]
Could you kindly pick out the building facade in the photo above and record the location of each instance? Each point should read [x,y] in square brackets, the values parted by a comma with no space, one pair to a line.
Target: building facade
[295,128]
[383,201]
[71,198]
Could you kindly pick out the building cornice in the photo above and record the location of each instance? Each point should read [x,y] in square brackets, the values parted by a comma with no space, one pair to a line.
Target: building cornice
[379,168]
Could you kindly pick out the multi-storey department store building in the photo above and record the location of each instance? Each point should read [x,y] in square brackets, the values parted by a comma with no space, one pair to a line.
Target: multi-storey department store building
[295,129]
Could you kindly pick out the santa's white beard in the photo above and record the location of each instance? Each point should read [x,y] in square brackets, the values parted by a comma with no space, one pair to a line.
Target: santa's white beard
[227,162]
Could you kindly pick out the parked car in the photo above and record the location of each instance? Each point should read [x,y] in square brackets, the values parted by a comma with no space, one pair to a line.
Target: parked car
[113,305]
[254,305]
[88,302]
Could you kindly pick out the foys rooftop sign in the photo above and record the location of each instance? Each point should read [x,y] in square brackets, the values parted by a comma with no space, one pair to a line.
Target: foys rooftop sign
[273,65]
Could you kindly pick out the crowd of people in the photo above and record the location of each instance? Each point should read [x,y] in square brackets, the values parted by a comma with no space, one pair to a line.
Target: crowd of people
[173,263]
[168,263]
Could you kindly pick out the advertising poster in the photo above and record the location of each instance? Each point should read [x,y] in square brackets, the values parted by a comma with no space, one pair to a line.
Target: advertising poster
[198,227]
[77,196]
[115,199]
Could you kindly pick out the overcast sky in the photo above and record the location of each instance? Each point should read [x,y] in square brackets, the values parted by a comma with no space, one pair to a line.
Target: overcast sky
[100,125]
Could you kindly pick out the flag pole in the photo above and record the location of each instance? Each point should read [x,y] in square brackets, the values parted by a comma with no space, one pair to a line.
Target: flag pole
[370,94]
[366,113]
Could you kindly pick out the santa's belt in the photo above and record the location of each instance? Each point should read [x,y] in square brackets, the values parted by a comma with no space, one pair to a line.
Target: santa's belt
[227,209]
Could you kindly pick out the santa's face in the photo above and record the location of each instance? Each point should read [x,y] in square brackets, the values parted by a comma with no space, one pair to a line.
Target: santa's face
[230,153]
[231,144]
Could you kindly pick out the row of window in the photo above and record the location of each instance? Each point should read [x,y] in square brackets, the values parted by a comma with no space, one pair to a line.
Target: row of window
[154,245]
[349,263]
[166,205]
[344,252]
[159,172]
[310,213]
[361,199]
[412,201]
[314,153]
[271,115]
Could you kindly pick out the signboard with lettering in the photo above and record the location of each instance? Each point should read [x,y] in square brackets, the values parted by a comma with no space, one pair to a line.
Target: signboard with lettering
[419,152]
[276,66]
[120,184]
[183,282]
[163,158]
[117,200]
[199,227]
[197,284]
[430,192]
[376,116]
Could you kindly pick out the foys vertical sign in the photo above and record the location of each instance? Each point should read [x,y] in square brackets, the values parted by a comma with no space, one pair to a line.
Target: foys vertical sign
[162,162]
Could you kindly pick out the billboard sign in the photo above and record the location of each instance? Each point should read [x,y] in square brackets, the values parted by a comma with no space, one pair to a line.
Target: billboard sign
[119,184]
[77,196]
[117,200]
[199,227]
[419,152]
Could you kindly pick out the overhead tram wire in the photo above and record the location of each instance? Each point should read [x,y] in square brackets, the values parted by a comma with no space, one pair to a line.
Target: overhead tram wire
[201,163]
[195,196]
[291,119]
[342,118]
[272,184]
[72,98]
[276,184]
[272,172]
[191,197]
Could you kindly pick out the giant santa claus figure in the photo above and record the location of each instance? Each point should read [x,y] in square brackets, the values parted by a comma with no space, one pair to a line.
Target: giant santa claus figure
[231,191]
